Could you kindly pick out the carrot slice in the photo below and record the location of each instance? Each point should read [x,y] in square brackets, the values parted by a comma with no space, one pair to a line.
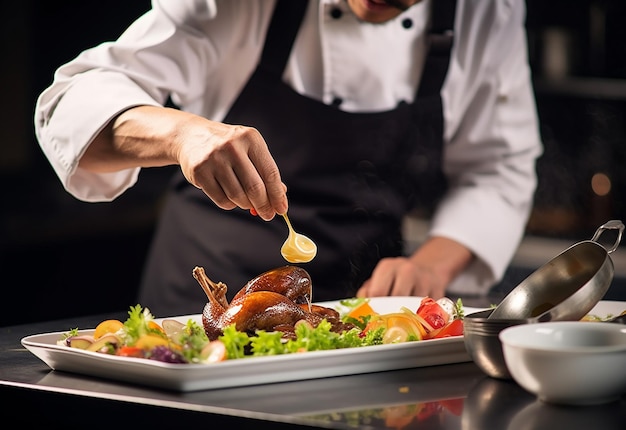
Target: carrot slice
[363,309]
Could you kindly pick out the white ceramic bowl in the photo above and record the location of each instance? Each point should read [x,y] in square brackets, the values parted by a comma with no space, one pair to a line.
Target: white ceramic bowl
[568,362]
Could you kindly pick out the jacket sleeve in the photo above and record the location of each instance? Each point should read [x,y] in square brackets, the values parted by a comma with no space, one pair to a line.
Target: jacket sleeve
[492,140]
[159,56]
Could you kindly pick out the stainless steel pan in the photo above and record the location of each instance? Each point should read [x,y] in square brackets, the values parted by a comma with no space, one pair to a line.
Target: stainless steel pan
[568,286]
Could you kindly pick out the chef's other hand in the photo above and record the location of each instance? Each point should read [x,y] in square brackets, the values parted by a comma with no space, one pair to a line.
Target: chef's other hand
[233,166]
[428,272]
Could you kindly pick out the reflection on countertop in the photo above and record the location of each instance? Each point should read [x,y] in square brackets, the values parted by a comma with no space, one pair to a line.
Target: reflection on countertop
[498,404]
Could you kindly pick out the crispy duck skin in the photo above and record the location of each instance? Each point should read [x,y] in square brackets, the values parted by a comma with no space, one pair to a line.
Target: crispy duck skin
[290,281]
[263,310]
[328,313]
[268,302]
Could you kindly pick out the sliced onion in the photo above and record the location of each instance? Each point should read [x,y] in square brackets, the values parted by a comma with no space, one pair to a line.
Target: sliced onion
[427,327]
[173,329]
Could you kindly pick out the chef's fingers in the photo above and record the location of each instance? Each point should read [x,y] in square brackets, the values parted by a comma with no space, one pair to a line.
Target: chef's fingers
[400,277]
[235,169]
[215,187]
[267,193]
[220,183]
[255,181]
[381,281]
[239,185]
[418,280]
[364,290]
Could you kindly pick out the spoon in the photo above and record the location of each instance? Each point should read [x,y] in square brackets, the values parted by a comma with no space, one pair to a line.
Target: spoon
[297,248]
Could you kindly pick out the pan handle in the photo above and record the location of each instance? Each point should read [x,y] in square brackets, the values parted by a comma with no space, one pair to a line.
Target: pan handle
[610,225]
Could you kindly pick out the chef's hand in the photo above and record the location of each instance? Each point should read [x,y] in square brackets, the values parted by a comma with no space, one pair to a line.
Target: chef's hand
[230,163]
[234,167]
[428,272]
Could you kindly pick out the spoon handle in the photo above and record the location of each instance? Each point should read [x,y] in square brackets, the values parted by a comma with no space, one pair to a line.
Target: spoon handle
[288,222]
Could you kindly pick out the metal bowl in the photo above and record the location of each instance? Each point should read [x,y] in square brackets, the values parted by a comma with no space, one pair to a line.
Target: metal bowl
[480,335]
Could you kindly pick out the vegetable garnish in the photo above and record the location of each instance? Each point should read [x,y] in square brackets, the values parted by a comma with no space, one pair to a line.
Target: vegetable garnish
[594,317]
[459,311]
[137,325]
[142,337]
[172,341]
[308,338]
[357,311]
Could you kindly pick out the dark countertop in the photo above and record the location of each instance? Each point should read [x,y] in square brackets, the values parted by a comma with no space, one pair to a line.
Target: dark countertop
[454,396]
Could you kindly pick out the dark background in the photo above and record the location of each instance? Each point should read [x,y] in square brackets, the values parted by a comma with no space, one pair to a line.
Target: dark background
[61,257]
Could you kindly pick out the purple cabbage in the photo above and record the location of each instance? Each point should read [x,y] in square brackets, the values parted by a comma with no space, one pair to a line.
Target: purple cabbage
[163,353]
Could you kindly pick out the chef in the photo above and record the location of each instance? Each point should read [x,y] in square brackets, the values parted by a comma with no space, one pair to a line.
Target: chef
[345,114]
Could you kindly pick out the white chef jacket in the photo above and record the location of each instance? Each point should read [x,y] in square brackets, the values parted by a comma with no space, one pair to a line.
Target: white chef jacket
[201,53]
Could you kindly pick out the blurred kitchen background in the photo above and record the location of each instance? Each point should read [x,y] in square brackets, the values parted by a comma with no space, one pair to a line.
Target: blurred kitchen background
[62,258]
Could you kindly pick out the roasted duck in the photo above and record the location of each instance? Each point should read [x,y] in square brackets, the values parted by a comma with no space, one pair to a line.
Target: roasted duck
[273,301]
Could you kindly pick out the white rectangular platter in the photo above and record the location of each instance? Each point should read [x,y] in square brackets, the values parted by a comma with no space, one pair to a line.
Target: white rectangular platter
[263,370]
[253,370]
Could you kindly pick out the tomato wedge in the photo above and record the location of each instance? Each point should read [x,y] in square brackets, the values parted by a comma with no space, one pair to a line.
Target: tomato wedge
[453,328]
[433,313]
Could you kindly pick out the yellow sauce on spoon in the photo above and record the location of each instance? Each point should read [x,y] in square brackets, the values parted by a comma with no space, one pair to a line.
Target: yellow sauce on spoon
[297,248]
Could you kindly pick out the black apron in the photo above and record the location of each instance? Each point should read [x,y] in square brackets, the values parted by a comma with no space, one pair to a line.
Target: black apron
[351,179]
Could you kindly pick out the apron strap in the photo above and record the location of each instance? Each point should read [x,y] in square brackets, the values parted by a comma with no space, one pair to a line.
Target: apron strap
[283,28]
[440,40]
